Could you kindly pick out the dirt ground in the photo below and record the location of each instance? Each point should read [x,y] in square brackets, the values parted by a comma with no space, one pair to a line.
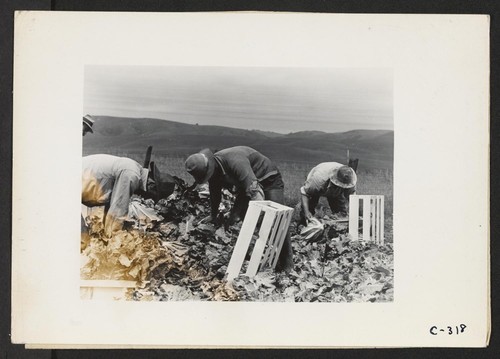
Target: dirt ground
[178,258]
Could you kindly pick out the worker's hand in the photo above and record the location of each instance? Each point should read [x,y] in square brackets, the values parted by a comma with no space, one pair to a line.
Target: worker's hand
[232,219]
[208,219]
[313,220]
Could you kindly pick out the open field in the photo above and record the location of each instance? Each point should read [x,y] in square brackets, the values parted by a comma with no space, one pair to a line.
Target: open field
[375,148]
[192,265]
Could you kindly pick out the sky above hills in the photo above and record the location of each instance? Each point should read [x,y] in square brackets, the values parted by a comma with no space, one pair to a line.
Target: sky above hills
[270,99]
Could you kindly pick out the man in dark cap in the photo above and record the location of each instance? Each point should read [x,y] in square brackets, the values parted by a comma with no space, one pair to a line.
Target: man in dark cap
[251,175]
[88,122]
[332,180]
[110,181]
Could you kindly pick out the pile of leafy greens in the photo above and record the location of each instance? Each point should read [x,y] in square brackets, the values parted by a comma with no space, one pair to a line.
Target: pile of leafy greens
[180,257]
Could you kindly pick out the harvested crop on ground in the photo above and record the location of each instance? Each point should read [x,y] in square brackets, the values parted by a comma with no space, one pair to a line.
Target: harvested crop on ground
[175,257]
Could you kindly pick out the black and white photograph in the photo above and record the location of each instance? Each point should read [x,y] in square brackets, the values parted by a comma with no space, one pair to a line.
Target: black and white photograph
[237,184]
[250,180]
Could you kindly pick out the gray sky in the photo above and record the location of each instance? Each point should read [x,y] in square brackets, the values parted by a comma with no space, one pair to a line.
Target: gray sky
[270,99]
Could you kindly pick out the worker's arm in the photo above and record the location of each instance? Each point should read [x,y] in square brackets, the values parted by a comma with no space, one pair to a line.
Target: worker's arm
[344,202]
[126,183]
[305,204]
[313,187]
[255,192]
[242,171]
[215,188]
[340,204]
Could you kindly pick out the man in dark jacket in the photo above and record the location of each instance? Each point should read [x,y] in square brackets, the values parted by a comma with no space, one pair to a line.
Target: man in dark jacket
[248,173]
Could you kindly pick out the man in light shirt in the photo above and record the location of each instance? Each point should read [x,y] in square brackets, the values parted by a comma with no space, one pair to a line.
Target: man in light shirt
[332,180]
[110,181]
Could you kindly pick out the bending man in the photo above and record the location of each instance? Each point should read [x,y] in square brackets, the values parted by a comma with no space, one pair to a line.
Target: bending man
[110,181]
[251,175]
[332,180]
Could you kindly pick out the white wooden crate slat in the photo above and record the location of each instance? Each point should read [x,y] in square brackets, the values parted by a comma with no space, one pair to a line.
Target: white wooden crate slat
[382,220]
[272,236]
[377,223]
[373,217]
[282,235]
[272,232]
[244,238]
[274,242]
[260,244]
[353,214]
[366,218]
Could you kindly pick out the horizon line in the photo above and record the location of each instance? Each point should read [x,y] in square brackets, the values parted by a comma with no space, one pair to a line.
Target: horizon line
[238,128]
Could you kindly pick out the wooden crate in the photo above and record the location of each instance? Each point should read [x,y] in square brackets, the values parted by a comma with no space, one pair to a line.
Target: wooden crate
[272,233]
[373,217]
[105,289]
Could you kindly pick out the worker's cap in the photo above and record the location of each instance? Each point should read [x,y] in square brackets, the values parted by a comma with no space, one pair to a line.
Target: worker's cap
[89,122]
[164,184]
[201,165]
[344,177]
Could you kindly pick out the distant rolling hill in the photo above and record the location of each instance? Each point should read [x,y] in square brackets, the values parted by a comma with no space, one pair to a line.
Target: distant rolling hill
[374,148]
